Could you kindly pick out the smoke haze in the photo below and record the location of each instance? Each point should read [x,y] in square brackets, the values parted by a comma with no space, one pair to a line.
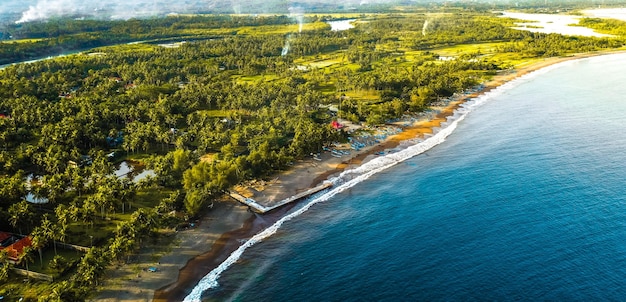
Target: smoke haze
[40,10]
[113,9]
[20,11]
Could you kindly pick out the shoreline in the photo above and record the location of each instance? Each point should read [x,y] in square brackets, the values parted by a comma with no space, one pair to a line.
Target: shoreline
[423,127]
[133,281]
[222,235]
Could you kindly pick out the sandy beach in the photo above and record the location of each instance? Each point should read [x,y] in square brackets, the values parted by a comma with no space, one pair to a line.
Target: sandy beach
[134,281]
[308,173]
[195,251]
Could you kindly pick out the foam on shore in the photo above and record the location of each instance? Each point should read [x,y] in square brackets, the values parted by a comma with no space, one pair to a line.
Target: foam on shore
[352,177]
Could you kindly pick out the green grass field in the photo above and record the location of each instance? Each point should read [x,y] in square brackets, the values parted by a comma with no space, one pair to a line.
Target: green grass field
[23,40]
[461,49]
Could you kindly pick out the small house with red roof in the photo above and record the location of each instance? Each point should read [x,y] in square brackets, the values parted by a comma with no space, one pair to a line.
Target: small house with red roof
[14,245]
[336,125]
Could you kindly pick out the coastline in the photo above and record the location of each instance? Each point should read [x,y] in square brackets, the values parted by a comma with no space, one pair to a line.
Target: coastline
[220,232]
[134,282]
[309,173]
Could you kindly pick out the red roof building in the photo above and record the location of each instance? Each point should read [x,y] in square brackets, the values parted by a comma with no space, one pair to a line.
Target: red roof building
[14,250]
[336,125]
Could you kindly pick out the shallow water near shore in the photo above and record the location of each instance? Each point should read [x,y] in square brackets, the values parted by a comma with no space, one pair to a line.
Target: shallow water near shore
[525,199]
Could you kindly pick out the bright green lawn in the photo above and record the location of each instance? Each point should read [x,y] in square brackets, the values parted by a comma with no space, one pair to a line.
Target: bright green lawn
[461,49]
[22,41]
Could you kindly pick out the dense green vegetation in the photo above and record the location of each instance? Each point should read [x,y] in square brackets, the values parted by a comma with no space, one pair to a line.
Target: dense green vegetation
[232,91]
[607,26]
[39,39]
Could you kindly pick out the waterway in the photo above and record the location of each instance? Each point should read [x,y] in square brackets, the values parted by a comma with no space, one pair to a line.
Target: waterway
[341,25]
[611,13]
[552,23]
[64,54]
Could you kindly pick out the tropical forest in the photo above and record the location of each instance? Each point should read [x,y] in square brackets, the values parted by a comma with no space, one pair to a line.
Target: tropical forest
[197,104]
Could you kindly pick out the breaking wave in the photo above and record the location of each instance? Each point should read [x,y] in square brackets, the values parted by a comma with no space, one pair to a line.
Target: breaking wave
[352,177]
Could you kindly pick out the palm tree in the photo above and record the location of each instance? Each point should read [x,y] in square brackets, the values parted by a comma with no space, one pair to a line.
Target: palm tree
[74,212]
[88,210]
[39,238]
[78,181]
[20,212]
[120,246]
[50,231]
[62,291]
[27,257]
[91,267]
[5,266]
[62,213]
[54,186]
[98,200]
[127,192]
[13,187]
[14,216]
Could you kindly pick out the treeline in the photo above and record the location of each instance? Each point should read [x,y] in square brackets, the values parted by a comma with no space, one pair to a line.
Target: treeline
[551,45]
[56,28]
[210,114]
[191,97]
[54,37]
[607,26]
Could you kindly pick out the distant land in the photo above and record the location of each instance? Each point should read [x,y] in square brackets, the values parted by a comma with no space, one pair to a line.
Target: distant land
[19,11]
[125,129]
[33,10]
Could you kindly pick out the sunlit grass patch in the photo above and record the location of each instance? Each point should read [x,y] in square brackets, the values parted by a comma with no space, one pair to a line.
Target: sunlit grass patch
[209,31]
[461,49]
[209,157]
[33,40]
[327,88]
[331,59]
[129,47]
[214,113]
[363,95]
[256,78]
[323,63]
[280,29]
[514,59]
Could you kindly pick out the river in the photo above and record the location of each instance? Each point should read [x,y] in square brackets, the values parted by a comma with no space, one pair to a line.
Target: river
[552,23]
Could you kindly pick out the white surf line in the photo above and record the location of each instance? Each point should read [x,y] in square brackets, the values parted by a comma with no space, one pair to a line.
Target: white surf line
[363,172]
[360,173]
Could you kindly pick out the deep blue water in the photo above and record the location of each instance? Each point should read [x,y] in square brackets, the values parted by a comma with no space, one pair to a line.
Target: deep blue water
[525,200]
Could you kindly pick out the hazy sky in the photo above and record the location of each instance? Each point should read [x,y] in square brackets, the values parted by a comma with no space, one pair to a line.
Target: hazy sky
[30,10]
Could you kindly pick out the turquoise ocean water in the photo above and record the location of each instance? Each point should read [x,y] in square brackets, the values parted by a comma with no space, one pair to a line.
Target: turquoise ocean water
[521,197]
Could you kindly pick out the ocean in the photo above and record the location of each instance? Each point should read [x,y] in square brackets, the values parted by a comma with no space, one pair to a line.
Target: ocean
[521,196]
